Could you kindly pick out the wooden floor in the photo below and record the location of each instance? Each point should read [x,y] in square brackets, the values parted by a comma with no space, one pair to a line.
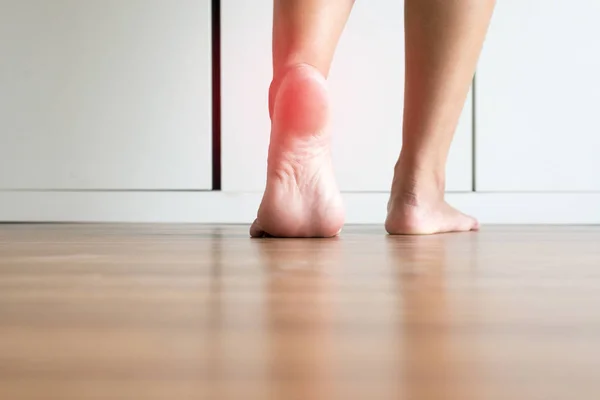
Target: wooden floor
[197,312]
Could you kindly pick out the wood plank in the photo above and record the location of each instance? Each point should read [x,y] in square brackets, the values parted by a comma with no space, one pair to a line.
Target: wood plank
[199,311]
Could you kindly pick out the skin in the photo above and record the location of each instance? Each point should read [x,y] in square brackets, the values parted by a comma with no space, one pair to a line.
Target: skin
[306,32]
[443,42]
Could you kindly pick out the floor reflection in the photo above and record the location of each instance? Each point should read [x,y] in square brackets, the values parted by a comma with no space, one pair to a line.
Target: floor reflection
[299,308]
[318,311]
[434,363]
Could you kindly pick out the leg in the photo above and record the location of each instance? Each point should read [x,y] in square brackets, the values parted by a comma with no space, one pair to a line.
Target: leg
[301,197]
[443,42]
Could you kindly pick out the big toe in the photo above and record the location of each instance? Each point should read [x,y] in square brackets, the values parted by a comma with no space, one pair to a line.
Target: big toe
[256,230]
[464,223]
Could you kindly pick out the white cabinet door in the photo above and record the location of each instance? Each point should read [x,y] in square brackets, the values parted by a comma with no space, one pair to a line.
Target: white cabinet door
[538,93]
[367,83]
[105,94]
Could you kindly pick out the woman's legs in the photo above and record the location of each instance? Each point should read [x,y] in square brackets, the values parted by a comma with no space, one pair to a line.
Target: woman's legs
[301,197]
[306,32]
[443,42]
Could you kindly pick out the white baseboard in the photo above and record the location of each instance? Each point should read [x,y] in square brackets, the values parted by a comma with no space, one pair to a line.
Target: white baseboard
[223,207]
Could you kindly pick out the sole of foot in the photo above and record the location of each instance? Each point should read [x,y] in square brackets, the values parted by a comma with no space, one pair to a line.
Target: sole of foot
[301,198]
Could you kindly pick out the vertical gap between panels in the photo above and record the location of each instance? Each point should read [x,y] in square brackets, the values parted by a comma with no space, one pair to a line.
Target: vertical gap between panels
[216,93]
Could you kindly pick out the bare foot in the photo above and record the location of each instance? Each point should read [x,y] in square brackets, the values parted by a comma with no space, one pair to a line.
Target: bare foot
[417,208]
[301,198]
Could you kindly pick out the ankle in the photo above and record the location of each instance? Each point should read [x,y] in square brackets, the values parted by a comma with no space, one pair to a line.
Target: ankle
[416,183]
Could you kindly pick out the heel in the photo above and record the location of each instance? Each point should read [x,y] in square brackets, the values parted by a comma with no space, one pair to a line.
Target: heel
[301,103]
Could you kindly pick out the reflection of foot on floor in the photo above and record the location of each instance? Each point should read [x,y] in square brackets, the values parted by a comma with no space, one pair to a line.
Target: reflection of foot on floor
[420,209]
[301,198]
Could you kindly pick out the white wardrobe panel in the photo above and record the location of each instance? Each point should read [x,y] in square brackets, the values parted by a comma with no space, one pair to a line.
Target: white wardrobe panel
[366,82]
[105,94]
[538,93]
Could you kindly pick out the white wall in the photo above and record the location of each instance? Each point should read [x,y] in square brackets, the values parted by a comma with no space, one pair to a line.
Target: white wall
[106,103]
[538,96]
[105,94]
[366,86]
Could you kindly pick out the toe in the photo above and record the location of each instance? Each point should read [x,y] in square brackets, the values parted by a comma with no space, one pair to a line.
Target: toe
[455,221]
[256,230]
[474,224]
[467,223]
